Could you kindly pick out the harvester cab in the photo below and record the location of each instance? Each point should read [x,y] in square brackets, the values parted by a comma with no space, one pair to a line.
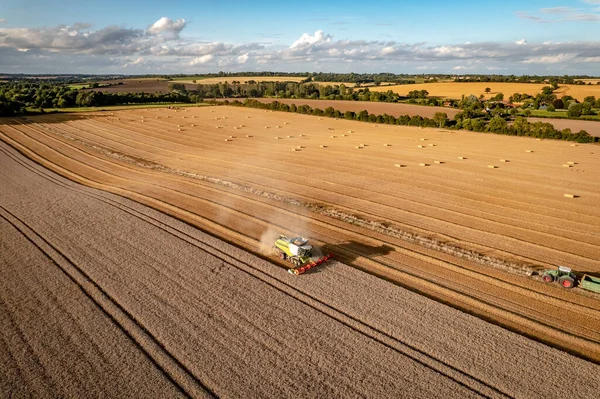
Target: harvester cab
[297,251]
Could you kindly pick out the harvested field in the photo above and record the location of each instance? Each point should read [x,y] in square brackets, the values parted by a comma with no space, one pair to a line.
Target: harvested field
[376,108]
[457,231]
[102,296]
[244,79]
[592,127]
[456,89]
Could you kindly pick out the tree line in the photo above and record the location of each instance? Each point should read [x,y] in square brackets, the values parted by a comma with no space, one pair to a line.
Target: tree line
[15,97]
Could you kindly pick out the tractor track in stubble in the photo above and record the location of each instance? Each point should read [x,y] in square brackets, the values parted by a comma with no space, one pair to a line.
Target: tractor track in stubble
[440,367]
[468,297]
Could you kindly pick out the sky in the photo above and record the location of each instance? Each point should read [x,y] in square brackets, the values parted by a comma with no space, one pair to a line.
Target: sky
[193,37]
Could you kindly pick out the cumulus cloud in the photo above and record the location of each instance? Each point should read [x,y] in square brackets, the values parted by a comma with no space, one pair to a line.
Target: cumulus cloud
[307,40]
[160,49]
[2,20]
[202,59]
[549,59]
[167,27]
[242,59]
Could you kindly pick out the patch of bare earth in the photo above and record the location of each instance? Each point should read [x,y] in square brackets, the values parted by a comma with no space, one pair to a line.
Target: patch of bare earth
[376,108]
[592,127]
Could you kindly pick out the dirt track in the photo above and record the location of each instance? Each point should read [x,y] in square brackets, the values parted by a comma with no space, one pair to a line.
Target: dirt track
[457,231]
[104,297]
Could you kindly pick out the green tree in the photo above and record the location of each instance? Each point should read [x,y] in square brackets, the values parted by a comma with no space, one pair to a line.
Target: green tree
[574,110]
[488,90]
[441,119]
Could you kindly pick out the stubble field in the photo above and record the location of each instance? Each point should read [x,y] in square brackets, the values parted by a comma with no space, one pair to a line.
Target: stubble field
[394,201]
[102,296]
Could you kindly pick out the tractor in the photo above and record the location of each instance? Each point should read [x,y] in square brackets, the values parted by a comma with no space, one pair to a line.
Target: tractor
[567,279]
[563,275]
[298,253]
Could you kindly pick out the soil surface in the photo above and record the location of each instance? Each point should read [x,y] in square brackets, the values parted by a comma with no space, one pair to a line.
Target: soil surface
[592,127]
[458,231]
[102,296]
[377,108]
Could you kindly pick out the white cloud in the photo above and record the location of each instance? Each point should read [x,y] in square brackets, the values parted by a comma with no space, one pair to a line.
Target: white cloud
[521,42]
[306,39]
[2,20]
[549,59]
[202,59]
[242,59]
[167,27]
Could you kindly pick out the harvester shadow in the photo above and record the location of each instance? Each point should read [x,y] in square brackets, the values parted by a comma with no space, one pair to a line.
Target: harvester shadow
[348,252]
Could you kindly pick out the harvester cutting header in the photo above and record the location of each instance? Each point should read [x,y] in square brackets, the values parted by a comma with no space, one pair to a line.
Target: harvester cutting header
[297,251]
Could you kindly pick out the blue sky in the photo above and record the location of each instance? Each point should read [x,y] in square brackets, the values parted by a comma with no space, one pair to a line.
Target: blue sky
[139,37]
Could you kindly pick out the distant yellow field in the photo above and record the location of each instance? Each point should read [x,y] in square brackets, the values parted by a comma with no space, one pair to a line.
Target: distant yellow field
[244,79]
[578,91]
[456,90]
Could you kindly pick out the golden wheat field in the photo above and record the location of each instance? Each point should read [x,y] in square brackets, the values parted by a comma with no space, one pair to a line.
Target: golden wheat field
[244,79]
[467,218]
[457,89]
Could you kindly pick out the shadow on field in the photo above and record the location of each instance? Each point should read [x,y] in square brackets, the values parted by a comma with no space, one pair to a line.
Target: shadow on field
[348,252]
[52,117]
[592,274]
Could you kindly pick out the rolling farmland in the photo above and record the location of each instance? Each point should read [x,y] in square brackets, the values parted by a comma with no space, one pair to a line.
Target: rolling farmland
[127,301]
[457,89]
[460,217]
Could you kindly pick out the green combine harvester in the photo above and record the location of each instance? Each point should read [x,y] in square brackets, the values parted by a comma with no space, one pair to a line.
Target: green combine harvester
[568,279]
[297,251]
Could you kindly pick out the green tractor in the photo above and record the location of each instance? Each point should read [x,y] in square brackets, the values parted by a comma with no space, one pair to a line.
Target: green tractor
[563,275]
[294,250]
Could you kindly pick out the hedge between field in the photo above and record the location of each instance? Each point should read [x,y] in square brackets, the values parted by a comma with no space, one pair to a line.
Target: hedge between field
[497,125]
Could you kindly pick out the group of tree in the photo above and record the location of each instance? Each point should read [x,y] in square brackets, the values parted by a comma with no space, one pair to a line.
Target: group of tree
[15,97]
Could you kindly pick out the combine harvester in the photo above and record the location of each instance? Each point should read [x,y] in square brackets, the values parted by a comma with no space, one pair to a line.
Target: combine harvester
[296,251]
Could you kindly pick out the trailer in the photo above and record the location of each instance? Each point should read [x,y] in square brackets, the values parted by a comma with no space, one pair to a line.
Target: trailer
[590,283]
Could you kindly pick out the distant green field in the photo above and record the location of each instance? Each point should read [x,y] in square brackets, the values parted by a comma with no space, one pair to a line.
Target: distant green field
[562,114]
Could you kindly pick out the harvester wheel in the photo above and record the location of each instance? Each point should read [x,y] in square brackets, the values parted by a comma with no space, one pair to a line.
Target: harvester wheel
[548,278]
[566,282]
[282,255]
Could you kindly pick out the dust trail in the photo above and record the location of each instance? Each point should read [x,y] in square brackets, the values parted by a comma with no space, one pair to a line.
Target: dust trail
[267,239]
